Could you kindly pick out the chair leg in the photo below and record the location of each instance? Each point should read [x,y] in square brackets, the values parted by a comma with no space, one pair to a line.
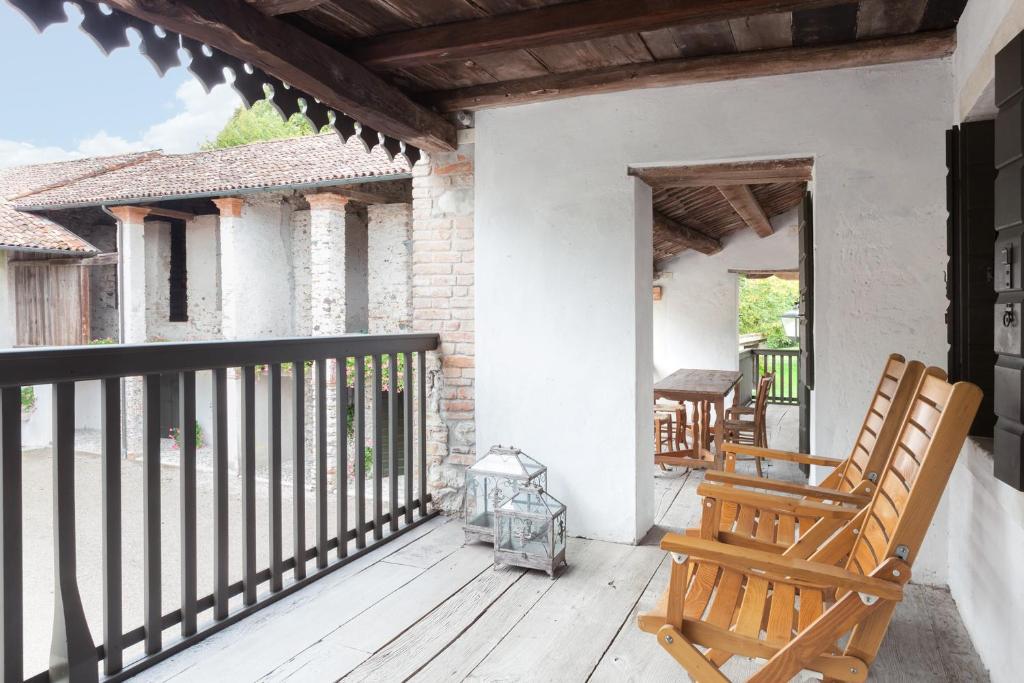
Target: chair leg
[757,464]
[699,668]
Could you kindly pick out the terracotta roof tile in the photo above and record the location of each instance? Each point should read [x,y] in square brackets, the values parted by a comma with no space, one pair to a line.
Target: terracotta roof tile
[22,180]
[304,161]
[25,231]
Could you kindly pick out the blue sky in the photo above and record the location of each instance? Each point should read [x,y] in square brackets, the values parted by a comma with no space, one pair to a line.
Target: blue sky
[74,101]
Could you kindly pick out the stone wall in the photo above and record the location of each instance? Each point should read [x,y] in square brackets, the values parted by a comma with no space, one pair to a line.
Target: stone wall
[103,319]
[390,257]
[442,301]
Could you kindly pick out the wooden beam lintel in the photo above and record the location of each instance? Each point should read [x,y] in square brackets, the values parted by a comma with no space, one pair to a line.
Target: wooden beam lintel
[673,72]
[691,236]
[554,24]
[749,209]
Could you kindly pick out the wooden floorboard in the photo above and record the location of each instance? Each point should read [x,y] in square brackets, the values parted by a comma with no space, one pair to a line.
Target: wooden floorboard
[568,630]
[427,607]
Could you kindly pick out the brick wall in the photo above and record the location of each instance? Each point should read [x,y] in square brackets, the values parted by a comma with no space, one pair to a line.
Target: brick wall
[442,301]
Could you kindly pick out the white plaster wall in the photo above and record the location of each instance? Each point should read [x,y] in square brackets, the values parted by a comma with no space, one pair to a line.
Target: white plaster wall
[301,278]
[986,541]
[983,29]
[390,273]
[256,270]
[559,319]
[695,323]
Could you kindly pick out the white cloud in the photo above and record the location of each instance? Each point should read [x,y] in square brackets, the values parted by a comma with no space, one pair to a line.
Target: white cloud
[199,118]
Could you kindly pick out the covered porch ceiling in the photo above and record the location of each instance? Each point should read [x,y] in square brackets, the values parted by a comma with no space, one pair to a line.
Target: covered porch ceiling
[696,206]
[400,67]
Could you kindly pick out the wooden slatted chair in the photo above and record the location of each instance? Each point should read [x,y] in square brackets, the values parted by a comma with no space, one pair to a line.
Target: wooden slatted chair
[772,518]
[792,612]
[748,425]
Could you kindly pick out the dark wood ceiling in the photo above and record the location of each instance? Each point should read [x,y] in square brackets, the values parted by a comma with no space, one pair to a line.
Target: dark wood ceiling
[399,68]
[394,39]
[696,206]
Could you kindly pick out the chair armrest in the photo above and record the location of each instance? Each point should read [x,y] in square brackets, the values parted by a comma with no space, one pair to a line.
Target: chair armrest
[816,492]
[739,410]
[758,562]
[788,505]
[772,454]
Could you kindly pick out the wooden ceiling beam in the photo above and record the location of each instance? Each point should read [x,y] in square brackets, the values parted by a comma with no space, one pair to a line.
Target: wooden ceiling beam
[372,197]
[275,7]
[168,213]
[929,45]
[693,238]
[305,63]
[554,24]
[729,173]
[749,209]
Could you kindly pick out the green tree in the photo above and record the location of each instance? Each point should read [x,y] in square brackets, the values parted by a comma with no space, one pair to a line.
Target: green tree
[762,301]
[259,122]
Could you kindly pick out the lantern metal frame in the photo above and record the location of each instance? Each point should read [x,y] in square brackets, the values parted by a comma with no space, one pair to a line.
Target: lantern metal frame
[553,519]
[492,472]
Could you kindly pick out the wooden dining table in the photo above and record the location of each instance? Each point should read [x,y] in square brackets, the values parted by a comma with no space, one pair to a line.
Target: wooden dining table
[703,388]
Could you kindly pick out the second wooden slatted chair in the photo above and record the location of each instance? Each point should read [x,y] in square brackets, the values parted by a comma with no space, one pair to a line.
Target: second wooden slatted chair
[792,612]
[778,520]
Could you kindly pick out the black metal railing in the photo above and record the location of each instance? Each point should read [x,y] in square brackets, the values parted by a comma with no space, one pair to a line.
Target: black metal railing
[785,363]
[74,654]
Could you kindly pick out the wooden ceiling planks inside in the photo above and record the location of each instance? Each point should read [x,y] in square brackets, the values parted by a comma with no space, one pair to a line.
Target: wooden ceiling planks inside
[711,201]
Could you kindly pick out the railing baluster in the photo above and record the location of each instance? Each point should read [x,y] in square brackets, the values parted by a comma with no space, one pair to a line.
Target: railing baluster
[421,369]
[220,493]
[341,462]
[393,440]
[187,453]
[274,465]
[72,652]
[321,463]
[299,466]
[151,511]
[378,459]
[359,437]
[110,409]
[249,485]
[11,599]
[407,441]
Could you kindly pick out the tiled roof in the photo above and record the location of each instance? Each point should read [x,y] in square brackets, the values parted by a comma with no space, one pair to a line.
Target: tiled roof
[305,161]
[26,231]
[23,180]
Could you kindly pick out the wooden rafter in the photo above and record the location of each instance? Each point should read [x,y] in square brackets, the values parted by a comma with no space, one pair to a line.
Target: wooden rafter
[730,173]
[553,24]
[918,46]
[274,7]
[312,67]
[687,236]
[372,196]
[168,213]
[749,209]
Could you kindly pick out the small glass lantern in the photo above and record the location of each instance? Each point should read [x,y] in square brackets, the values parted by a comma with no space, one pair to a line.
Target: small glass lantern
[530,531]
[491,481]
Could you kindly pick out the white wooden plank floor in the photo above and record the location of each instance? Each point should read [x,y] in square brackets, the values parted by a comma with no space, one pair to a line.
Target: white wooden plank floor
[429,608]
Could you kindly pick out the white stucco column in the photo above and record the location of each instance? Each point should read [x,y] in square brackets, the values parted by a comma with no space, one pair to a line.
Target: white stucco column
[132,302]
[389,283]
[232,286]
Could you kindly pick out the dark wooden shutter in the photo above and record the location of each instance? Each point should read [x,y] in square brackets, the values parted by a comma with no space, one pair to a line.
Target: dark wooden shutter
[1009,223]
[970,196]
[178,279]
[806,372]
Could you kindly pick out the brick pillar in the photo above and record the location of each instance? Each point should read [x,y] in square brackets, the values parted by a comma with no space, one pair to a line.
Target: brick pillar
[442,301]
[132,259]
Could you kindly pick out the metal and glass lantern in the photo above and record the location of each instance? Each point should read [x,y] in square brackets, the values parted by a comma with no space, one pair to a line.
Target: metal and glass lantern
[491,481]
[530,531]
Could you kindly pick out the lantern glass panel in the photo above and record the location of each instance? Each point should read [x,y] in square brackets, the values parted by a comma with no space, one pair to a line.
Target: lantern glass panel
[531,531]
[491,481]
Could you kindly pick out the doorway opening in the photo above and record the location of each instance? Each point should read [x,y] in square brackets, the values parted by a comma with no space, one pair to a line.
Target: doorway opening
[721,232]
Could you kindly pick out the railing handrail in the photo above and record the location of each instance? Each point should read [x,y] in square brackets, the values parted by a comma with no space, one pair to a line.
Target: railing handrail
[776,352]
[46,365]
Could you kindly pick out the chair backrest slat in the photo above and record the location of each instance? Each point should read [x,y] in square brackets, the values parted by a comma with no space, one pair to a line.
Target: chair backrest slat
[930,438]
[878,432]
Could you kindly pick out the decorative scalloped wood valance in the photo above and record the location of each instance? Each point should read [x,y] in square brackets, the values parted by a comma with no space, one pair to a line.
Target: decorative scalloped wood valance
[108,27]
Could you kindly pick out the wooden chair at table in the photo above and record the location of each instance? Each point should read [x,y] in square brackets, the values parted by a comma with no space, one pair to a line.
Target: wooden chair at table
[776,519]
[752,431]
[792,611]
[670,428]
